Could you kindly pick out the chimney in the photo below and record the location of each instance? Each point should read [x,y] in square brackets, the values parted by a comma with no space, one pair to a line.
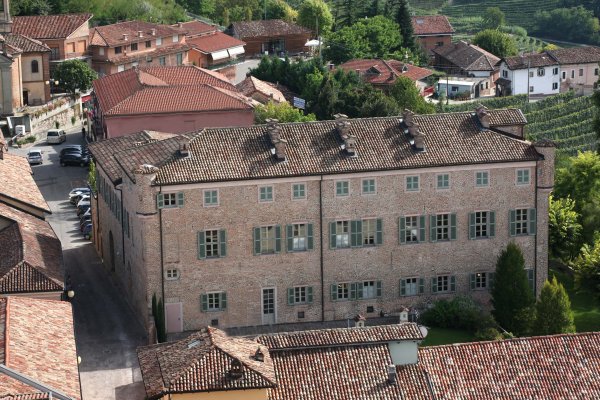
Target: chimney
[180,25]
[183,150]
[273,129]
[153,31]
[483,115]
[280,145]
[140,34]
[391,370]
[407,116]
[259,355]
[342,126]
[280,149]
[419,141]
[359,321]
[125,36]
[2,148]
[413,129]
[403,314]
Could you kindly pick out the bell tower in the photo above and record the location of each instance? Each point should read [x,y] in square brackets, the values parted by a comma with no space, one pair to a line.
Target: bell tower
[5,20]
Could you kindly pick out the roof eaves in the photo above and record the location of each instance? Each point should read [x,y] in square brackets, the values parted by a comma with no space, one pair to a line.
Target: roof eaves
[83,23]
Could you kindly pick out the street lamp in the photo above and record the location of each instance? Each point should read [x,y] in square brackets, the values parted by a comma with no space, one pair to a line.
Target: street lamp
[52,82]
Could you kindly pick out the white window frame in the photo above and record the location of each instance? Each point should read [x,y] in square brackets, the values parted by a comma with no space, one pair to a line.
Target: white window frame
[340,289]
[487,178]
[211,245]
[171,199]
[175,38]
[368,181]
[480,226]
[339,236]
[437,182]
[523,171]
[210,297]
[210,204]
[481,281]
[260,193]
[172,274]
[303,185]
[413,285]
[347,188]
[300,240]
[158,41]
[412,177]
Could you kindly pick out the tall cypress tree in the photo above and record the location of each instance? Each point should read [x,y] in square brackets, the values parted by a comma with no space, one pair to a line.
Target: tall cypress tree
[553,310]
[405,21]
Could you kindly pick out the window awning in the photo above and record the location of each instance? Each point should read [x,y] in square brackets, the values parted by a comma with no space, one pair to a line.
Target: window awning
[219,55]
[236,50]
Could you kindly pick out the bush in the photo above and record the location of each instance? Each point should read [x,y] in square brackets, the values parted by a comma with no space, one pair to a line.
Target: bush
[56,124]
[514,30]
[73,119]
[489,333]
[461,312]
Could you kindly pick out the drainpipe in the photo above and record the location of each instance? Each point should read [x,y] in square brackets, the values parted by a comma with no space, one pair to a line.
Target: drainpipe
[535,257]
[162,265]
[122,228]
[321,245]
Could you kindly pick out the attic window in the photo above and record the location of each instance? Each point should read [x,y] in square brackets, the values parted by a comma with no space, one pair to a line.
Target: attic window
[193,344]
[259,355]
[237,369]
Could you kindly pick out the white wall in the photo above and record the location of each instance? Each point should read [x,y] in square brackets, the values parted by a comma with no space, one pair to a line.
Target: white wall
[541,84]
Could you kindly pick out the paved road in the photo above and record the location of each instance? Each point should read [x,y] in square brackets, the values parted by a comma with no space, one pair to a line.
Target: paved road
[105,329]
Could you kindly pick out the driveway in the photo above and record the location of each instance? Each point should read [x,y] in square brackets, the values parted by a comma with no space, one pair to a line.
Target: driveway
[105,328]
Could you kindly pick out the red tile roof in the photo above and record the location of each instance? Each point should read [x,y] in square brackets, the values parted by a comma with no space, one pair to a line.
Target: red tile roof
[26,44]
[214,42]
[576,55]
[30,254]
[267,28]
[202,363]
[144,90]
[156,52]
[17,184]
[467,56]
[58,26]
[431,25]
[251,85]
[112,35]
[195,28]
[530,60]
[382,72]
[38,341]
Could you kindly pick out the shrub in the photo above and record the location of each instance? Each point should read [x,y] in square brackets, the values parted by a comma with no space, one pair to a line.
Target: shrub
[489,333]
[56,124]
[73,119]
[461,312]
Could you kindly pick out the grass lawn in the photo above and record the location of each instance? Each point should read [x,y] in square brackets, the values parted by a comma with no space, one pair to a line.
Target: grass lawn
[437,336]
[585,308]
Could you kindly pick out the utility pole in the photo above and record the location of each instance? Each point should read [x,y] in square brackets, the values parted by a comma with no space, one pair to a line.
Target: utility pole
[528,74]
[265,10]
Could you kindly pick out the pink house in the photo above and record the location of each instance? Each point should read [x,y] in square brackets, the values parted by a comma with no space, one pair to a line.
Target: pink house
[172,99]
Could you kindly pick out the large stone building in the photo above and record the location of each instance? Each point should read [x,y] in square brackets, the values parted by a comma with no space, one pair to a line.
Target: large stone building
[322,220]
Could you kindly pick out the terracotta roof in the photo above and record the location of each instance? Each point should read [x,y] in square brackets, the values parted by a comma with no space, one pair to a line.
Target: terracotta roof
[144,90]
[112,35]
[202,362]
[269,27]
[313,148]
[431,25]
[214,42]
[576,55]
[194,28]
[38,341]
[58,26]
[156,52]
[251,85]
[510,116]
[531,60]
[545,367]
[26,44]
[468,56]
[16,183]
[30,254]
[341,336]
[382,72]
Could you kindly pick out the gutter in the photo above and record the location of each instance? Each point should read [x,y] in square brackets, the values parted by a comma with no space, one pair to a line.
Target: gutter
[162,263]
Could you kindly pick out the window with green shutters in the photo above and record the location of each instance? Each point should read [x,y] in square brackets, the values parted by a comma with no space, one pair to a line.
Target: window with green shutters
[169,200]
[368,186]
[482,178]
[298,191]
[522,221]
[443,181]
[412,183]
[443,284]
[343,291]
[265,194]
[412,286]
[342,188]
[211,198]
[339,234]
[523,176]
[443,227]
[412,229]
[267,239]
[300,295]
[212,244]
[356,290]
[481,280]
[213,301]
[368,289]
[482,224]
[299,237]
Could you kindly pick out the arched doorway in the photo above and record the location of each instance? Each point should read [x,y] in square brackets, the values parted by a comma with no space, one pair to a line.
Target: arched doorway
[111,246]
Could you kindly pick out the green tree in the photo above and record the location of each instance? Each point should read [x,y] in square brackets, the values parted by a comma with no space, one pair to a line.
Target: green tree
[283,112]
[564,229]
[574,24]
[75,75]
[324,106]
[377,104]
[92,176]
[587,267]
[512,298]
[225,19]
[596,100]
[404,20]
[553,313]
[161,329]
[279,9]
[493,18]
[407,96]
[30,7]
[498,43]
[204,8]
[312,10]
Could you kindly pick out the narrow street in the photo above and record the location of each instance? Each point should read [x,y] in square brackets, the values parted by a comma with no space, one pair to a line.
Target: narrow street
[106,332]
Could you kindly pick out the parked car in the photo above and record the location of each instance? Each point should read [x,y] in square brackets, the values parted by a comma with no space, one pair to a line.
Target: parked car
[56,136]
[76,190]
[88,213]
[87,220]
[76,194]
[35,157]
[84,200]
[74,159]
[81,210]
[70,148]
[87,231]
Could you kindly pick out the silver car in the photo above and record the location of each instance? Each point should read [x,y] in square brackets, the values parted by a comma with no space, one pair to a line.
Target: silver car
[35,157]
[56,136]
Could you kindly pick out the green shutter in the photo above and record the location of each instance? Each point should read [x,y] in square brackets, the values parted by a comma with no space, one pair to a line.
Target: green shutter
[180,199]
[490,280]
[277,238]
[472,281]
[402,287]
[434,285]
[402,229]
[422,228]
[309,238]
[309,294]
[222,243]
[379,289]
[332,235]
[353,291]
[453,226]
[289,235]
[359,290]
[530,278]
[421,285]
[223,300]
[291,296]
[471,226]
[433,228]
[160,201]
[334,292]
[201,245]
[379,233]
[256,241]
[356,233]
[453,283]
[492,224]
[512,217]
[204,302]
[532,221]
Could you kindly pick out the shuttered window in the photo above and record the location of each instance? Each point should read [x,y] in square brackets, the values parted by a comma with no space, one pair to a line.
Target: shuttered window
[170,200]
[482,224]
[267,239]
[300,295]
[299,237]
[443,227]
[212,244]
[481,280]
[213,301]
[522,221]
[412,286]
[412,229]
[443,284]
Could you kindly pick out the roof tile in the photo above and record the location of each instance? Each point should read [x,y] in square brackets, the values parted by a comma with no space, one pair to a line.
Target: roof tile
[431,25]
[112,35]
[16,182]
[382,72]
[269,27]
[214,42]
[467,56]
[58,26]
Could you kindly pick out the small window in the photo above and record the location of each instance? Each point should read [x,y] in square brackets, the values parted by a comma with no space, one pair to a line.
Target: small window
[170,200]
[172,274]
[580,71]
[211,198]
[120,68]
[554,85]
[343,291]
[443,284]
[118,50]
[101,51]
[442,227]
[564,74]
[572,74]
[214,301]
[555,71]
[300,295]
[505,74]
[298,191]
[342,234]
[369,289]
[596,71]
[342,188]
[265,194]
[531,74]
[482,179]
[175,38]
[148,44]
[35,67]
[481,280]
[541,71]
[412,286]
[179,58]
[368,186]
[523,176]
[162,60]
[531,89]
[454,89]
[134,46]
[443,181]
[530,277]
[158,41]
[412,183]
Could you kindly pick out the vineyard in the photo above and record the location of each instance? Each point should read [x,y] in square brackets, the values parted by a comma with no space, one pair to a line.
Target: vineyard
[565,119]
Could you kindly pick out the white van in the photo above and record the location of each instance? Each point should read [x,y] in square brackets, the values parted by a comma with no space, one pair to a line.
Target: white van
[56,136]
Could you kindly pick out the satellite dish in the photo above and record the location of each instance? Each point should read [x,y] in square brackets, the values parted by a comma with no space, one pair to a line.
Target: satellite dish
[424,330]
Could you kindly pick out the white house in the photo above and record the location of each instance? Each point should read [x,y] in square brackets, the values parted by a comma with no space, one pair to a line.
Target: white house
[536,74]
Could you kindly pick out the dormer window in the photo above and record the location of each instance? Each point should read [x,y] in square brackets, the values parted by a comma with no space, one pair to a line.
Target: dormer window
[259,355]
[237,369]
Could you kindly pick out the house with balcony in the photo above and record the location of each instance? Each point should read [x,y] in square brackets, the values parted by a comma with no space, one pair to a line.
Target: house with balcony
[432,31]
[124,45]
